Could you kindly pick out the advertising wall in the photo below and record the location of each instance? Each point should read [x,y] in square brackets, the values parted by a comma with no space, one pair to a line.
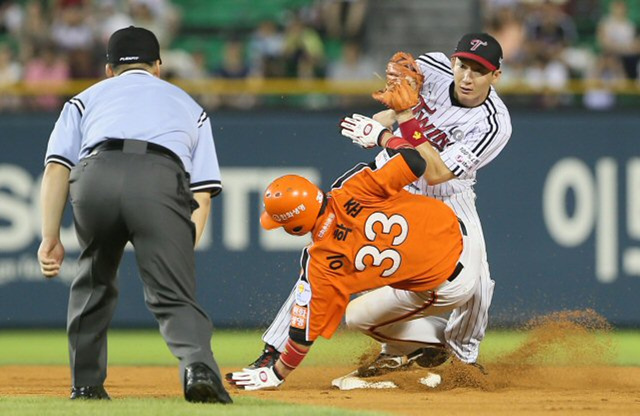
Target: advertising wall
[560,210]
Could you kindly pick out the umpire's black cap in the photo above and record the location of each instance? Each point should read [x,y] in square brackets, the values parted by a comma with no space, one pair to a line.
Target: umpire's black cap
[482,48]
[133,45]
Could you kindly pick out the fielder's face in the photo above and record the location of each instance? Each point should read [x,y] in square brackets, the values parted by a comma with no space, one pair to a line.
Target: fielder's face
[472,81]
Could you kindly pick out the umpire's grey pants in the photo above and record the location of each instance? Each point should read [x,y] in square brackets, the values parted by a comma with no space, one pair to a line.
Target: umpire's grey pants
[143,198]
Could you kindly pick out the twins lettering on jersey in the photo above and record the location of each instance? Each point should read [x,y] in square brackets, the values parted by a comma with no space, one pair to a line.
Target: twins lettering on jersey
[438,138]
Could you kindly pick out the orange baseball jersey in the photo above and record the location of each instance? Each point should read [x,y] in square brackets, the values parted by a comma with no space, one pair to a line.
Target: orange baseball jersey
[373,233]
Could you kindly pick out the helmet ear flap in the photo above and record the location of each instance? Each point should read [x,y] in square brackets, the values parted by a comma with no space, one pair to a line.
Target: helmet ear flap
[291,202]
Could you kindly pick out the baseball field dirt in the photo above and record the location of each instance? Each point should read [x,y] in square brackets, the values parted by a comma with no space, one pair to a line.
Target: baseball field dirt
[505,391]
[565,366]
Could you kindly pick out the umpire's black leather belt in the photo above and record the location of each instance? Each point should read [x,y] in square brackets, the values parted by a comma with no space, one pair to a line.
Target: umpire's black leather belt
[459,266]
[136,146]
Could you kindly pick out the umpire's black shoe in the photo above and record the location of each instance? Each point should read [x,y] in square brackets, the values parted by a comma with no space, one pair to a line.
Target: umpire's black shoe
[268,358]
[89,393]
[202,385]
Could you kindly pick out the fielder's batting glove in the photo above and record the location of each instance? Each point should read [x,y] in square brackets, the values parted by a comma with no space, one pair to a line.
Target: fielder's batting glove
[362,130]
[254,379]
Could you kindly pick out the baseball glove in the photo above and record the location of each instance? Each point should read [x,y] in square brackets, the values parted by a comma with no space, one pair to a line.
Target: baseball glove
[399,96]
[402,65]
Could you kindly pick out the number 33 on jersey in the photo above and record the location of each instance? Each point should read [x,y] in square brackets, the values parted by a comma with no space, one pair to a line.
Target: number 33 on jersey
[373,233]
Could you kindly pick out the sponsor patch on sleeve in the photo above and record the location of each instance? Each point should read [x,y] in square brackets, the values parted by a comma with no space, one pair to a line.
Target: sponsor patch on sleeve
[303,293]
[465,158]
[299,316]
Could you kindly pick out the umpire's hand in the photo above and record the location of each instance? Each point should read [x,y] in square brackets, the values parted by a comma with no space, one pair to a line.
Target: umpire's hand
[50,256]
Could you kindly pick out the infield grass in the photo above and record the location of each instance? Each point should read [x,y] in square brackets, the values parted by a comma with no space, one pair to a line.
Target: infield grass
[240,347]
[243,406]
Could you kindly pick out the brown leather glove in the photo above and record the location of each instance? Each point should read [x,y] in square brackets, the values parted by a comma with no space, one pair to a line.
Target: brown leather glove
[402,65]
[399,96]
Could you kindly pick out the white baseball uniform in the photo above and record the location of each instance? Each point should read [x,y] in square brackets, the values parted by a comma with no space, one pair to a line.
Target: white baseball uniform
[467,139]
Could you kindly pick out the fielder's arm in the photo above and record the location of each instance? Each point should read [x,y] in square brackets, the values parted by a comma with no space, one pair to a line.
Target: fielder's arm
[367,132]
[385,117]
[201,214]
[53,197]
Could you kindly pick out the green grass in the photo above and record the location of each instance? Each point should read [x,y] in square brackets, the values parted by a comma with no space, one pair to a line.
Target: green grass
[235,347]
[243,406]
[145,347]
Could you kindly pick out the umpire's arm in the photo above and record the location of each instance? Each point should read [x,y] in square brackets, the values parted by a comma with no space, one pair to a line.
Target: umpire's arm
[200,215]
[53,198]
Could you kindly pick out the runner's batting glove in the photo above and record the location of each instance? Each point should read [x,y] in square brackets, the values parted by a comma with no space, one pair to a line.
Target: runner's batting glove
[399,96]
[402,65]
[362,130]
[254,379]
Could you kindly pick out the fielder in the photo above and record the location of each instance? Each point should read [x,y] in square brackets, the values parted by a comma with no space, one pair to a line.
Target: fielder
[368,234]
[459,124]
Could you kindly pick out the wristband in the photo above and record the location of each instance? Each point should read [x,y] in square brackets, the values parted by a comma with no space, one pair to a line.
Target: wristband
[412,132]
[396,142]
[292,356]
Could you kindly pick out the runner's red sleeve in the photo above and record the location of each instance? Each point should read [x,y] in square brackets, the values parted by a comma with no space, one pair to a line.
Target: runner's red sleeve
[292,355]
[398,143]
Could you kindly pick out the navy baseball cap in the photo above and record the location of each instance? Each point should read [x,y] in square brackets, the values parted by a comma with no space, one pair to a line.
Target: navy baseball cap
[133,45]
[482,48]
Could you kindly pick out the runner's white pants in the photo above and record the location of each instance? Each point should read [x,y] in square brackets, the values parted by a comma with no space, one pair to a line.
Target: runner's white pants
[404,320]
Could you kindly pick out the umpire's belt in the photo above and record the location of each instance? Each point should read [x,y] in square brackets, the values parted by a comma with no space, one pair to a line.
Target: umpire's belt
[136,146]
[459,266]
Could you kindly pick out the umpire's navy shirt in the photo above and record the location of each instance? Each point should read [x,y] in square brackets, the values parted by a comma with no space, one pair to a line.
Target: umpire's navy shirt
[138,105]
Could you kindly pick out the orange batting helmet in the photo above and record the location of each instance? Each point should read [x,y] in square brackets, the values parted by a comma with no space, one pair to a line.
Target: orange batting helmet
[291,202]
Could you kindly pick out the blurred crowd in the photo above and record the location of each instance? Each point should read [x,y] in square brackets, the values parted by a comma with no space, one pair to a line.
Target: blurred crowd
[547,46]
[52,41]
[49,42]
[546,50]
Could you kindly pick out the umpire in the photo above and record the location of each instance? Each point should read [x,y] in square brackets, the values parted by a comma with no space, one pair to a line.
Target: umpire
[136,154]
